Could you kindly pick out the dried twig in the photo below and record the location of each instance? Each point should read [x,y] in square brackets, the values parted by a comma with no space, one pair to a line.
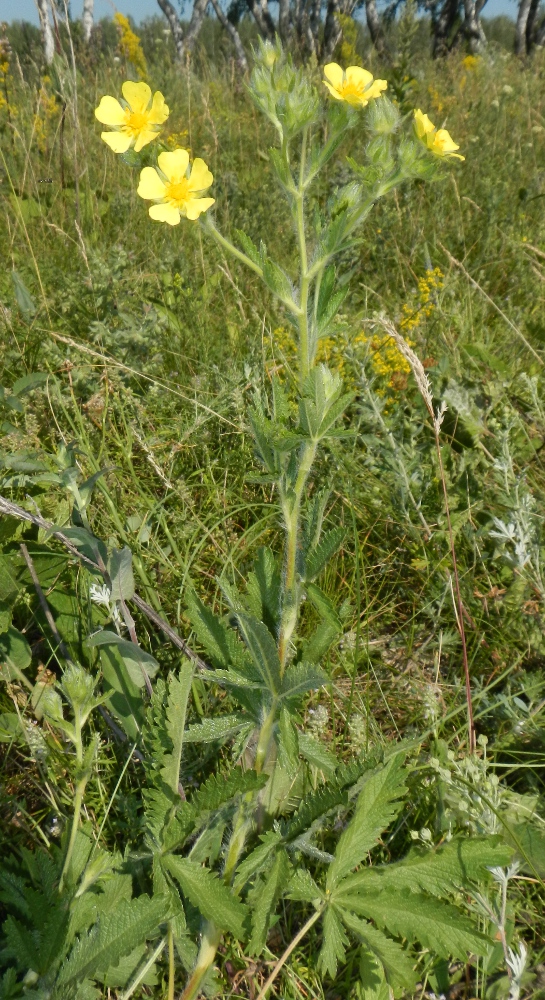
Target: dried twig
[45,606]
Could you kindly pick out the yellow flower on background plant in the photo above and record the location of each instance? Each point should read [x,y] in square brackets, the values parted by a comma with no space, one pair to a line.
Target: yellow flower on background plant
[176,191]
[354,85]
[438,141]
[136,121]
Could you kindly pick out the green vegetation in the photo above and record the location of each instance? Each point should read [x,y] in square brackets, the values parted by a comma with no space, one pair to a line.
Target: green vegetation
[236,751]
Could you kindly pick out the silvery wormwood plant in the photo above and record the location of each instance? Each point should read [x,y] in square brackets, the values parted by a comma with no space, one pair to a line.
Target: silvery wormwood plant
[282,820]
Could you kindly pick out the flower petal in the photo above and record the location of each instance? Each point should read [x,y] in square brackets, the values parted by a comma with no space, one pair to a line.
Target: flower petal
[151,185]
[201,177]
[137,95]
[332,91]
[422,124]
[174,164]
[159,110]
[335,75]
[195,206]
[165,213]
[376,89]
[444,141]
[119,142]
[144,136]
[358,76]
[110,112]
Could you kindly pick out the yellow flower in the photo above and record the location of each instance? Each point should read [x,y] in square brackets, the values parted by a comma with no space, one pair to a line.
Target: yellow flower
[175,191]
[353,85]
[135,122]
[438,141]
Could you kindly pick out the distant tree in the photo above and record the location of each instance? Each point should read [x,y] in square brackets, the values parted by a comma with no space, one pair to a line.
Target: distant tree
[530,32]
[453,22]
[87,19]
[184,41]
[48,41]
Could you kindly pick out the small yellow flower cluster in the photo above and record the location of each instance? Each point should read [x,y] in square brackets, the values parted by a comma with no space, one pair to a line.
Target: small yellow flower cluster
[130,46]
[357,87]
[432,282]
[470,62]
[46,110]
[174,187]
[386,360]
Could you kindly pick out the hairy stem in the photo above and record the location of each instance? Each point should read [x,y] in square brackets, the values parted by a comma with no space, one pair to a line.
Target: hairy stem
[207,953]
[78,798]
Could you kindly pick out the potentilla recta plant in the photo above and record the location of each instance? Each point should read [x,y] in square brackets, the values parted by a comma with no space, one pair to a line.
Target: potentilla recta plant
[281,823]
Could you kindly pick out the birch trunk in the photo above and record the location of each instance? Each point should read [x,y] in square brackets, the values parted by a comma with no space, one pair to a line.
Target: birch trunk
[47,31]
[332,30]
[472,27]
[531,25]
[375,27]
[521,48]
[284,21]
[263,19]
[175,27]
[195,24]
[230,28]
[88,19]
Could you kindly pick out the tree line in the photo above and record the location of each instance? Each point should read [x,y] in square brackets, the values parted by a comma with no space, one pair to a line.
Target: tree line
[314,28]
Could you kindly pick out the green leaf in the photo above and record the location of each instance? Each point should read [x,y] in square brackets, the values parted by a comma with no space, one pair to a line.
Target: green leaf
[317,558]
[15,655]
[377,805]
[258,859]
[134,657]
[319,803]
[113,936]
[288,743]
[5,616]
[221,788]
[300,678]
[222,645]
[303,888]
[396,964]
[125,699]
[218,728]
[208,893]
[10,728]
[24,299]
[9,585]
[317,754]
[121,574]
[29,382]
[179,689]
[265,900]
[434,924]
[530,847]
[335,943]
[263,589]
[440,871]
[262,648]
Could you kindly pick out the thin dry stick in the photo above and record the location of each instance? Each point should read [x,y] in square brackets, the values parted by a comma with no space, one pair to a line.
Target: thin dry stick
[514,328]
[44,605]
[291,947]
[13,510]
[424,388]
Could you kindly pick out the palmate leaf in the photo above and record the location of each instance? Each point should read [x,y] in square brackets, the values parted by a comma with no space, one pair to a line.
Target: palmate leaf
[221,642]
[377,805]
[397,966]
[264,900]
[221,788]
[434,924]
[258,858]
[113,936]
[316,805]
[208,893]
[438,872]
[303,888]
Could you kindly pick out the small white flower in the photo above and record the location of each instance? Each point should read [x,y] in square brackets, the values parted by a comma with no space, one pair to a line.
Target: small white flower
[100,594]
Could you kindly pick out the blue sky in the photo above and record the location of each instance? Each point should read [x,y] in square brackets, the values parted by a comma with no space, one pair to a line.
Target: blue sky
[25,10]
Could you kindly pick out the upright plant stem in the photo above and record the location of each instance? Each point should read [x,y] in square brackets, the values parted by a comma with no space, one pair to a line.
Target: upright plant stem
[78,799]
[292,946]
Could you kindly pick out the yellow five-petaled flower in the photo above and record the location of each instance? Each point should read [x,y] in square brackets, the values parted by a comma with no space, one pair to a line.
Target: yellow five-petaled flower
[354,85]
[176,191]
[135,122]
[438,140]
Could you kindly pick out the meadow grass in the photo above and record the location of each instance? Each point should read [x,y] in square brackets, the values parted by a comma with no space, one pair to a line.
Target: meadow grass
[155,342]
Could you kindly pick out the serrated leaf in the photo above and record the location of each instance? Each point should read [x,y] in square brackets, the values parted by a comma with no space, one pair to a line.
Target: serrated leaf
[396,964]
[317,754]
[278,282]
[113,936]
[300,678]
[262,649]
[208,893]
[258,858]
[218,728]
[434,924]
[221,788]
[303,888]
[440,871]
[288,743]
[317,558]
[377,805]
[179,689]
[263,589]
[265,901]
[334,945]
[319,803]
[221,643]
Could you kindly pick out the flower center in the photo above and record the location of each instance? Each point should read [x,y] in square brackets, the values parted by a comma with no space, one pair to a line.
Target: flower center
[136,121]
[352,90]
[178,191]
